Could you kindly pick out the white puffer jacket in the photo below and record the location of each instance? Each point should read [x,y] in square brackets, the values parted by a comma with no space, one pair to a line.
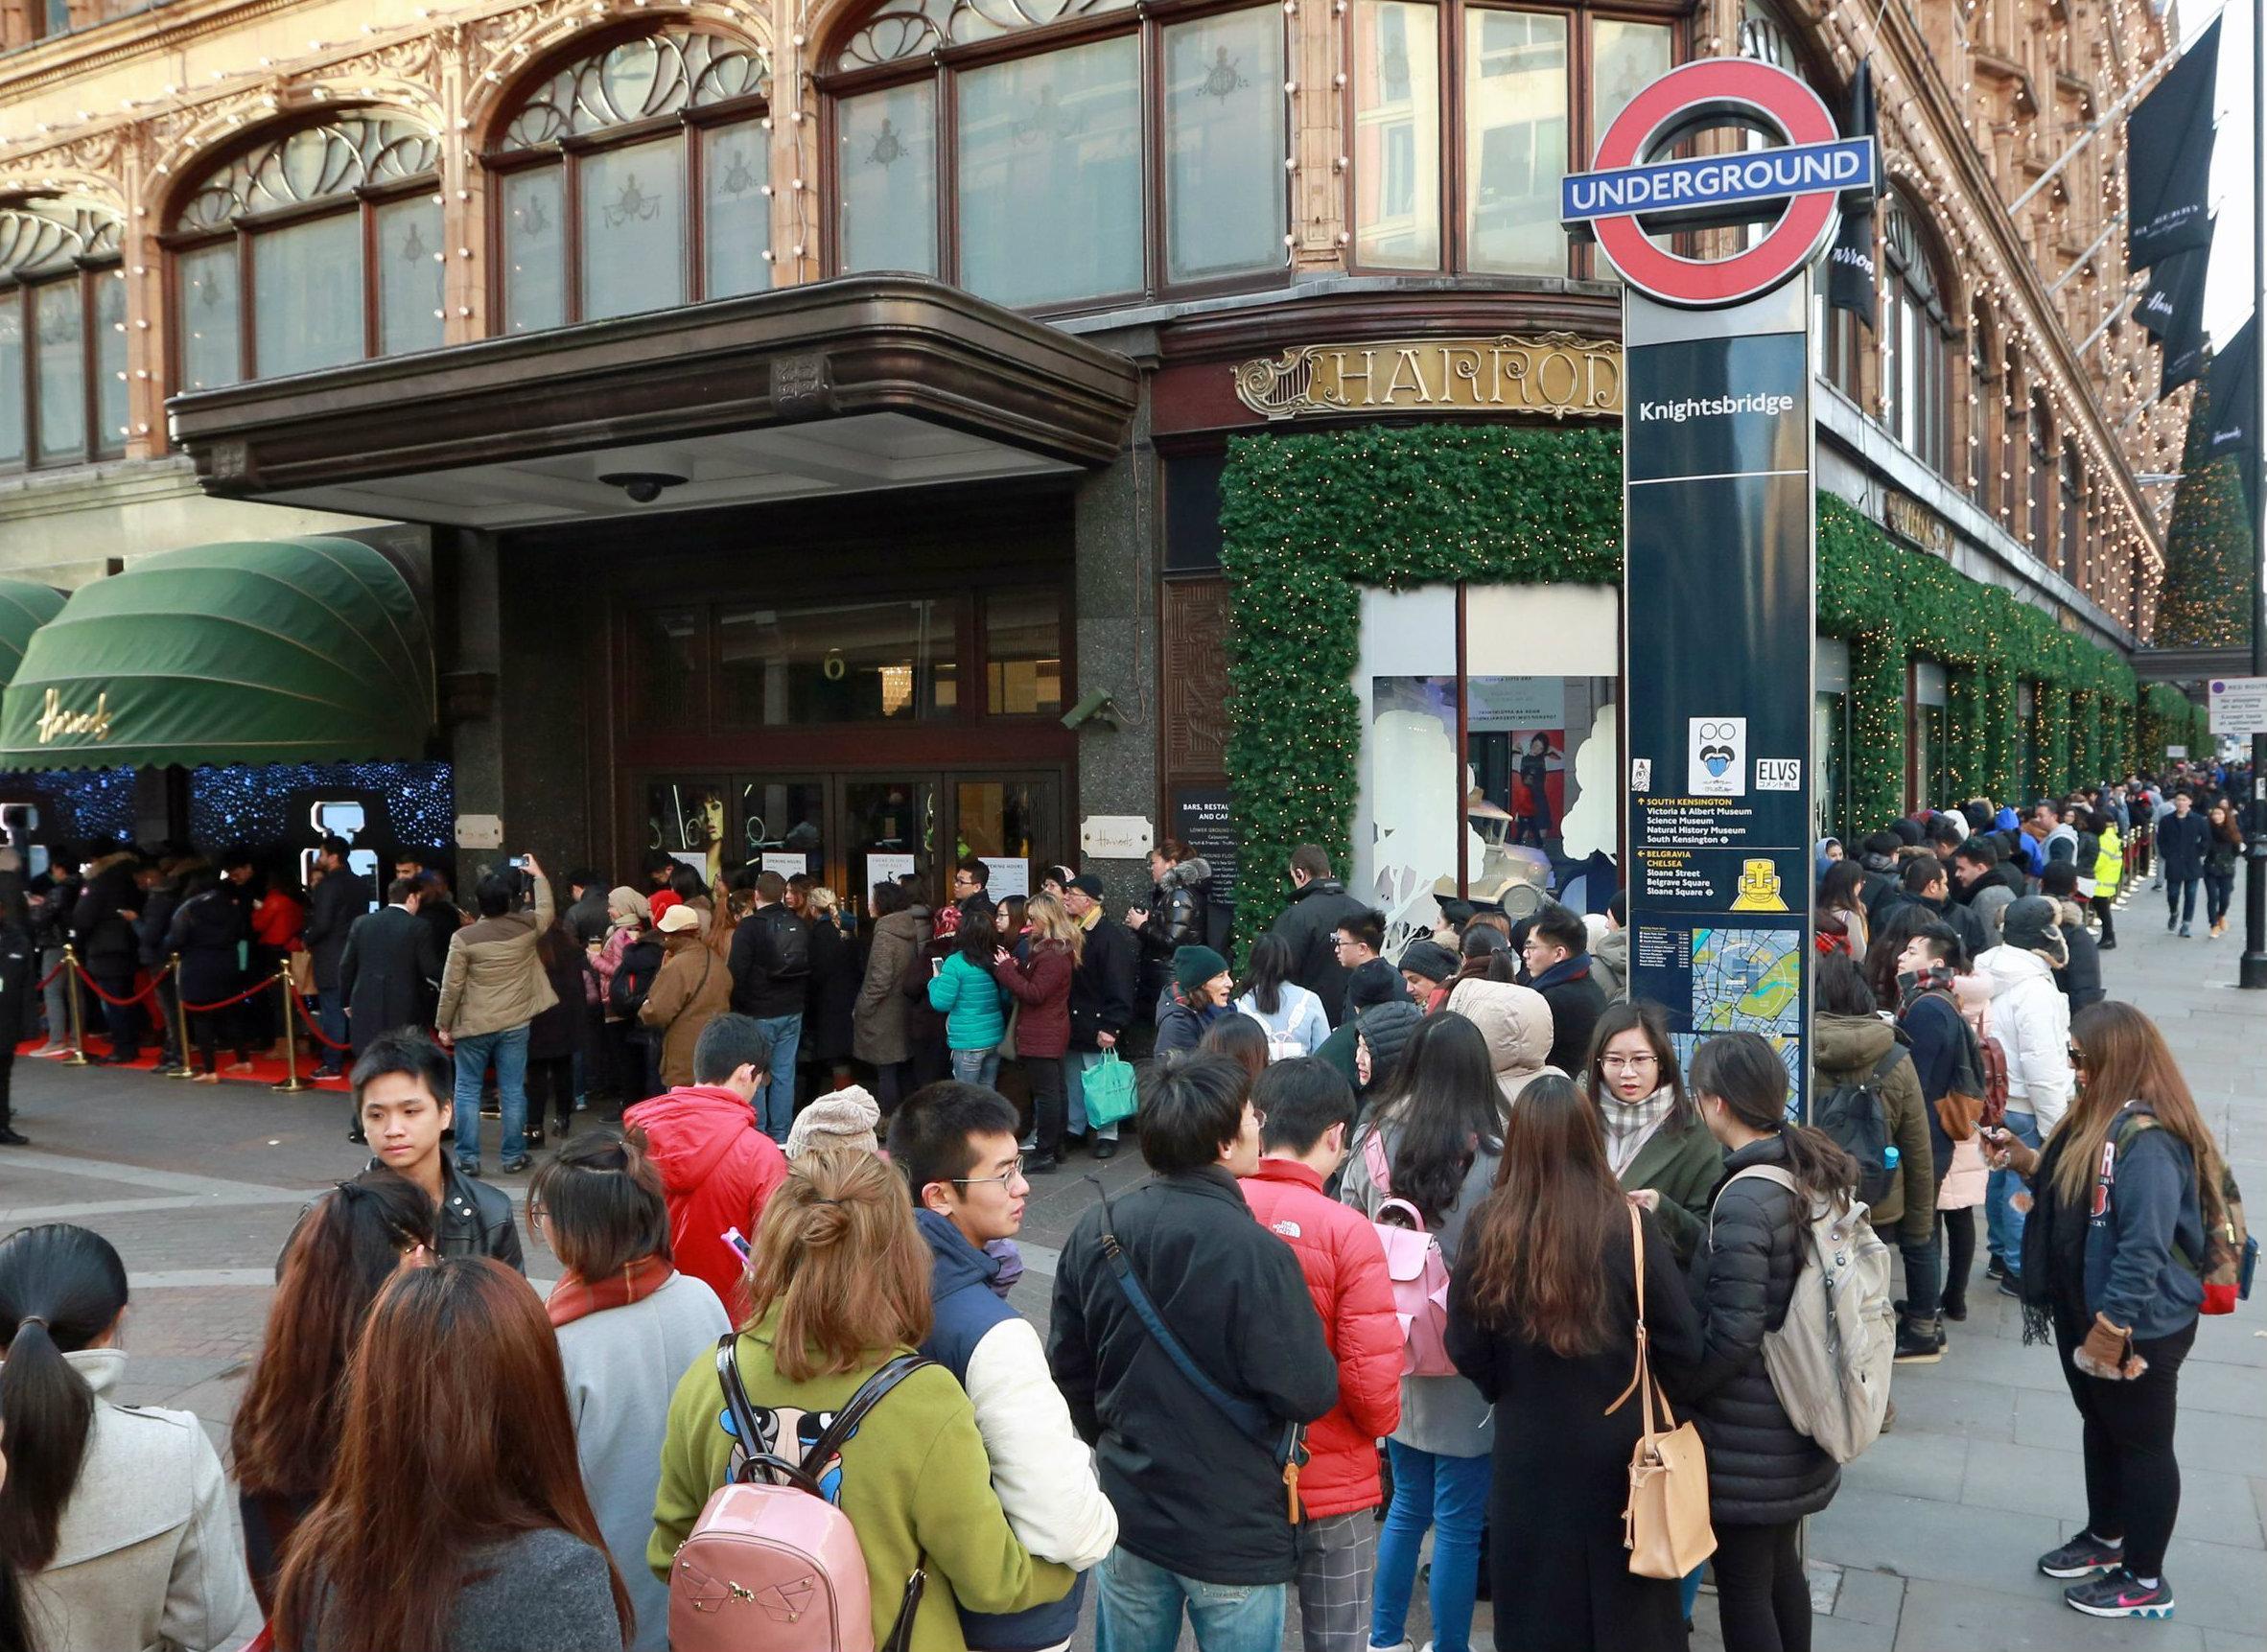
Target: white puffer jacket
[2030,1022]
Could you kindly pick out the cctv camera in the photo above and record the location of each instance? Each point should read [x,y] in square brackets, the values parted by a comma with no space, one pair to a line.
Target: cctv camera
[1095,704]
[643,486]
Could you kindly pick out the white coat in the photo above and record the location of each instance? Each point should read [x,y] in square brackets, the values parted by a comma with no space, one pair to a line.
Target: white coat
[2032,1024]
[146,1554]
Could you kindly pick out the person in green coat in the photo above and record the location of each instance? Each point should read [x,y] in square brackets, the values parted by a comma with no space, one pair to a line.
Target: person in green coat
[1657,1145]
[838,1287]
[973,1003]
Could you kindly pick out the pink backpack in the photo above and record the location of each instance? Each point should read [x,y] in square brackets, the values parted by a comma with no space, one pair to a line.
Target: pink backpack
[772,1562]
[1419,1275]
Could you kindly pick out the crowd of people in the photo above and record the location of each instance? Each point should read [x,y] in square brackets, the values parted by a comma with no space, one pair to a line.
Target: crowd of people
[1408,1224]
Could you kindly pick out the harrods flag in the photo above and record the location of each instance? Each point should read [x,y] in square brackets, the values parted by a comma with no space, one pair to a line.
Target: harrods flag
[2168,158]
[2235,391]
[2173,309]
[1850,265]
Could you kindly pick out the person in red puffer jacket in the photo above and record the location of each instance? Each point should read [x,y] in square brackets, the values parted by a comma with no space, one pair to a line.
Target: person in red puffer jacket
[1308,1109]
[718,1168]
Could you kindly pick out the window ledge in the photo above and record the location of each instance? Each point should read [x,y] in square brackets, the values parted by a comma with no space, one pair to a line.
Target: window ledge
[1334,285]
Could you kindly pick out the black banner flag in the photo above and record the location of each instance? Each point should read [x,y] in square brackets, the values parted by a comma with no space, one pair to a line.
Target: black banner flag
[1850,265]
[2235,395]
[2168,158]
[2173,309]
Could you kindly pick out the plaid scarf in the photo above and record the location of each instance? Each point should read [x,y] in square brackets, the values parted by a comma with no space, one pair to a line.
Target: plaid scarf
[1630,1125]
[576,1298]
[1935,977]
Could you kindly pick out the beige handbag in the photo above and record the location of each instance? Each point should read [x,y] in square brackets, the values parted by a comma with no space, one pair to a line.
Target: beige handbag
[1665,1525]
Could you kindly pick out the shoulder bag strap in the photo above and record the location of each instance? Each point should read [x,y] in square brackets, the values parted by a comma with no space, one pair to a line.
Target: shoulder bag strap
[754,1460]
[870,1393]
[1641,1381]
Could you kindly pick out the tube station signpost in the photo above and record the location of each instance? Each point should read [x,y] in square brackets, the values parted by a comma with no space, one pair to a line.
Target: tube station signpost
[1719,536]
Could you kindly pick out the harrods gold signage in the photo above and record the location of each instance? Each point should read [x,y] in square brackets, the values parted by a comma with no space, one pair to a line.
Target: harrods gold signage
[55,722]
[1910,519]
[1556,373]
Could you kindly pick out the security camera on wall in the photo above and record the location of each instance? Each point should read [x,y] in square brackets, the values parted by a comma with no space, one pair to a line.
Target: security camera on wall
[1095,705]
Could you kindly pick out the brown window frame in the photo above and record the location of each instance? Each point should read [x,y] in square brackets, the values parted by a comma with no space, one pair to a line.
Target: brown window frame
[2040,428]
[1583,260]
[1148,22]
[23,290]
[568,154]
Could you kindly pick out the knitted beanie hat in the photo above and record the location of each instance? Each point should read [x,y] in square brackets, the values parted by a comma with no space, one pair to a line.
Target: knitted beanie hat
[839,1119]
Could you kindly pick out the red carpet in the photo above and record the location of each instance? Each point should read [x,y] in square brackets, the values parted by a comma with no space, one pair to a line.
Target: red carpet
[265,1072]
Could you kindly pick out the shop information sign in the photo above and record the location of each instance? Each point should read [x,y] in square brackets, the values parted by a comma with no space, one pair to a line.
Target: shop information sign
[1719,581]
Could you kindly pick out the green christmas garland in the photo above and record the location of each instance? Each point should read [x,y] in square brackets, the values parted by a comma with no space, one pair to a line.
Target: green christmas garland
[1309,520]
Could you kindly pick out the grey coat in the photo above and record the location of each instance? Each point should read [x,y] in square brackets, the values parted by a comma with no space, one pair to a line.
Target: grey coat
[539,1591]
[1444,1416]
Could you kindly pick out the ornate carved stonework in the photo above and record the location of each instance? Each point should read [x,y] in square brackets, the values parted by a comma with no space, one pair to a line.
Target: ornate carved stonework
[1194,682]
[1557,374]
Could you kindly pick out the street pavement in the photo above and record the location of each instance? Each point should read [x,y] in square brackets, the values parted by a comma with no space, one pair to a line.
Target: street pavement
[1928,1546]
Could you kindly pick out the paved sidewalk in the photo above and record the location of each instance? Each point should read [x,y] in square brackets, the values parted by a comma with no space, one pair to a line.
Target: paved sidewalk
[1927,1547]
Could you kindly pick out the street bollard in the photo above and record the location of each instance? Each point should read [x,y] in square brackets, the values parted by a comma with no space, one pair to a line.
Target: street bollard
[291,1079]
[78,1055]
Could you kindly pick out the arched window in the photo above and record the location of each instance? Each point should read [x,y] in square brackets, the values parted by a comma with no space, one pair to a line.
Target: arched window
[1984,389]
[2073,523]
[635,176]
[1054,153]
[2013,451]
[62,333]
[2042,431]
[315,245]
[1916,380]
[1526,93]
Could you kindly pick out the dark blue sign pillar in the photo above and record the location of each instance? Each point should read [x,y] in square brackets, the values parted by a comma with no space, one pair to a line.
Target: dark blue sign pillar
[1719,604]
[1717,623]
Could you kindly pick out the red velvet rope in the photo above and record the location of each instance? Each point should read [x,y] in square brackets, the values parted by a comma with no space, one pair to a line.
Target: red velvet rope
[313,1031]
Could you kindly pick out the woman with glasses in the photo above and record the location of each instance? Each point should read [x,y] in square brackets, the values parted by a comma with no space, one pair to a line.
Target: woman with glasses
[839,1287]
[1655,1144]
[2123,1197]
[1434,1141]
[629,1324]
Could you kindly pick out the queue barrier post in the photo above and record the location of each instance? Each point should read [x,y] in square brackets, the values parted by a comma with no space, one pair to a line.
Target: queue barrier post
[186,1068]
[291,1032]
[78,1011]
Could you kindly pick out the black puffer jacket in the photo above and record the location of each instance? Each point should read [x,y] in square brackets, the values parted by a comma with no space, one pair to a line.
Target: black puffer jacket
[1759,1471]
[1308,923]
[1176,919]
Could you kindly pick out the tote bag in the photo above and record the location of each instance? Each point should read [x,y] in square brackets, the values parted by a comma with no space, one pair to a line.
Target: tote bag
[1108,1090]
[1665,1524]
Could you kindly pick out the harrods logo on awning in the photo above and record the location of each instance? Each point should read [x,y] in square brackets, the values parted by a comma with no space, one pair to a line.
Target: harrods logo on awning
[55,722]
[1557,374]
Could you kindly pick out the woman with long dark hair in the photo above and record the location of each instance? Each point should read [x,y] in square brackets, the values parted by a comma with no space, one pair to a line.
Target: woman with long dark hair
[1542,1318]
[2126,1192]
[1763,1476]
[16,1631]
[1655,1144]
[1434,1141]
[286,1434]
[2223,844]
[630,1326]
[455,1476]
[1291,1016]
[973,1003]
[115,1520]
[1841,896]
[555,1036]
[1241,1039]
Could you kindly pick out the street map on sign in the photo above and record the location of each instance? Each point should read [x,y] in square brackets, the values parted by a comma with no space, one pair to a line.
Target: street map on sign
[1748,981]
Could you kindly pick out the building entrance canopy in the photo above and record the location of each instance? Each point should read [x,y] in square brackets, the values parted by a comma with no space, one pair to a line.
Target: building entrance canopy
[836,386]
[24,608]
[303,650]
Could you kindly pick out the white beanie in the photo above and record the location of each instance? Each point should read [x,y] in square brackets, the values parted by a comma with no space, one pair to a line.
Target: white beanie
[843,1117]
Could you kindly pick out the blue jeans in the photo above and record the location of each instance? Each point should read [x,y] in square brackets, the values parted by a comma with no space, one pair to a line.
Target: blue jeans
[976,1067]
[1140,1604]
[1449,1494]
[510,1050]
[1688,1591]
[775,1102]
[2003,1224]
[1075,1067]
[330,1013]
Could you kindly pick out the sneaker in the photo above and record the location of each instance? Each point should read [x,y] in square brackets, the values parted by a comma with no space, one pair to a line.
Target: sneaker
[2119,1595]
[2106,947]
[1996,1268]
[471,1167]
[1398,1646]
[1919,1343]
[2171,924]
[2085,1555]
[1954,1308]
[514,1166]
[2012,1285]
[2187,933]
[1040,1164]
[1106,1147]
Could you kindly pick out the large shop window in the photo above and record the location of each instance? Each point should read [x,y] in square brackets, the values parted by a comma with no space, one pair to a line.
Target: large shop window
[1916,378]
[1929,739]
[636,176]
[2041,437]
[2073,515]
[1830,740]
[314,248]
[1053,154]
[766,664]
[1486,106]
[62,335]
[1529,808]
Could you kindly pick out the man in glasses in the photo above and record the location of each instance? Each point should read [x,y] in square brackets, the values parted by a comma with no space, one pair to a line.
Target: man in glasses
[956,1145]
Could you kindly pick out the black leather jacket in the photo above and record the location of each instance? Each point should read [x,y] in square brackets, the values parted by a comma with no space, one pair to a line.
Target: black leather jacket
[475,1219]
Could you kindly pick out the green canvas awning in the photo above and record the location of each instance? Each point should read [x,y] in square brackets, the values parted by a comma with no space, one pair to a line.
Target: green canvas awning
[271,651]
[24,608]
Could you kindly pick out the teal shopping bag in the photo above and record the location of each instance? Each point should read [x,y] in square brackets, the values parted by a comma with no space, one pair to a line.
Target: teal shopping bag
[1109,1091]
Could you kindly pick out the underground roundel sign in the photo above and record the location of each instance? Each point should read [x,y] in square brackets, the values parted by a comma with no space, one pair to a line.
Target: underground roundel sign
[1799,181]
